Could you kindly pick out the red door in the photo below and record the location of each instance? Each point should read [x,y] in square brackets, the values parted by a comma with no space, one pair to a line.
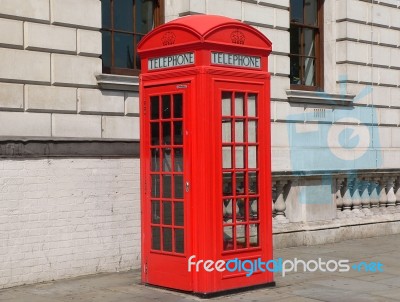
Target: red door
[165,202]
[245,159]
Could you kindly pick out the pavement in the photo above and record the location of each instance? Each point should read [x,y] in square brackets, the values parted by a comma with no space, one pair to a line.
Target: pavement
[302,286]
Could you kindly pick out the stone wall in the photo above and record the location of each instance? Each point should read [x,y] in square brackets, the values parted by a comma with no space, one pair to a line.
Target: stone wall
[361,51]
[50,57]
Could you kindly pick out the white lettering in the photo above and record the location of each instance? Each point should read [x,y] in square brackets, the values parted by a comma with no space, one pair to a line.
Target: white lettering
[221,58]
[171,61]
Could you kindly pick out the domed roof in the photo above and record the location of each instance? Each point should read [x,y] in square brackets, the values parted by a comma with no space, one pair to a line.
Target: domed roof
[204,23]
[191,31]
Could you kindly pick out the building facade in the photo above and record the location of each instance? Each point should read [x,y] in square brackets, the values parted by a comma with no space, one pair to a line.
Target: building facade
[69,125]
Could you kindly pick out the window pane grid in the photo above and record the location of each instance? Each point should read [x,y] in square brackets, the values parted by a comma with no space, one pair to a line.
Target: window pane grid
[305,55]
[166,173]
[240,142]
[131,20]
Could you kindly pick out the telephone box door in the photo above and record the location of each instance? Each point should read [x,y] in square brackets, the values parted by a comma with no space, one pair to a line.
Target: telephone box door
[246,221]
[167,186]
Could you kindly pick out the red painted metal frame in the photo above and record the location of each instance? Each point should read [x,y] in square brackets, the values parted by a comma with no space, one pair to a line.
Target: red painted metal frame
[202,85]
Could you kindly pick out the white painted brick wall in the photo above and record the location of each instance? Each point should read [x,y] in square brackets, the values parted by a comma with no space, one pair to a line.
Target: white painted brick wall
[61,218]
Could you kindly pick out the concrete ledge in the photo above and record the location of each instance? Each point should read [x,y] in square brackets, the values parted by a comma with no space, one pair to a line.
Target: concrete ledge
[299,96]
[322,232]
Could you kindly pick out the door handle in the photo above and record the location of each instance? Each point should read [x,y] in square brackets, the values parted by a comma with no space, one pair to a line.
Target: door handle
[187,186]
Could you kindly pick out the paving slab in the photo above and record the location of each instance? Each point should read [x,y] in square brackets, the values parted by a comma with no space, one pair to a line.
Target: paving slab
[352,286]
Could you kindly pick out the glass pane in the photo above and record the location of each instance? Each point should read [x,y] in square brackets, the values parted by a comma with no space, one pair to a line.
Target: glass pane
[241,236]
[178,106]
[253,183]
[227,184]
[105,14]
[179,216]
[166,128]
[226,103]
[154,108]
[178,186]
[178,160]
[228,234]
[239,131]
[144,16]
[252,155]
[167,239]
[252,104]
[167,212]
[137,58]
[179,241]
[155,134]
[239,103]
[166,106]
[166,160]
[155,211]
[253,207]
[226,131]
[178,133]
[309,72]
[166,186]
[123,50]
[252,131]
[155,186]
[239,157]
[227,210]
[309,45]
[240,183]
[226,158]
[155,160]
[295,40]
[295,66]
[310,12]
[123,15]
[296,11]
[254,235]
[155,238]
[240,209]
[106,44]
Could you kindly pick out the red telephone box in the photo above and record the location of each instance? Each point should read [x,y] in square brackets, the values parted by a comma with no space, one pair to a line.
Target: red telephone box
[205,155]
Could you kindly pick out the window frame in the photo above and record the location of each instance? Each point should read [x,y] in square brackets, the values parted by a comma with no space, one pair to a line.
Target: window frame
[158,17]
[319,49]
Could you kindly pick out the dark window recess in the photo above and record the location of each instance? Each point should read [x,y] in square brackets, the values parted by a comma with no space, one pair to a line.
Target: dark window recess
[306,47]
[124,23]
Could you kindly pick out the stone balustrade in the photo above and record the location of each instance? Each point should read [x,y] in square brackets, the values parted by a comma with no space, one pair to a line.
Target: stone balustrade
[353,195]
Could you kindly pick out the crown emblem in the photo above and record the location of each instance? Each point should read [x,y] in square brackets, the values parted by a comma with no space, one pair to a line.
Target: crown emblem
[238,37]
[168,38]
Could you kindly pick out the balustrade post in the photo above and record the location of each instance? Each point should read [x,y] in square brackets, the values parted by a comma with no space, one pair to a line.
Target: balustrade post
[365,198]
[382,194]
[374,195]
[355,196]
[391,197]
[398,191]
[339,198]
[280,205]
[347,202]
[273,200]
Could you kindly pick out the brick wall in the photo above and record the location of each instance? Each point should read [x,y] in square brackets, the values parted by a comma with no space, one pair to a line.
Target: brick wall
[67,217]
